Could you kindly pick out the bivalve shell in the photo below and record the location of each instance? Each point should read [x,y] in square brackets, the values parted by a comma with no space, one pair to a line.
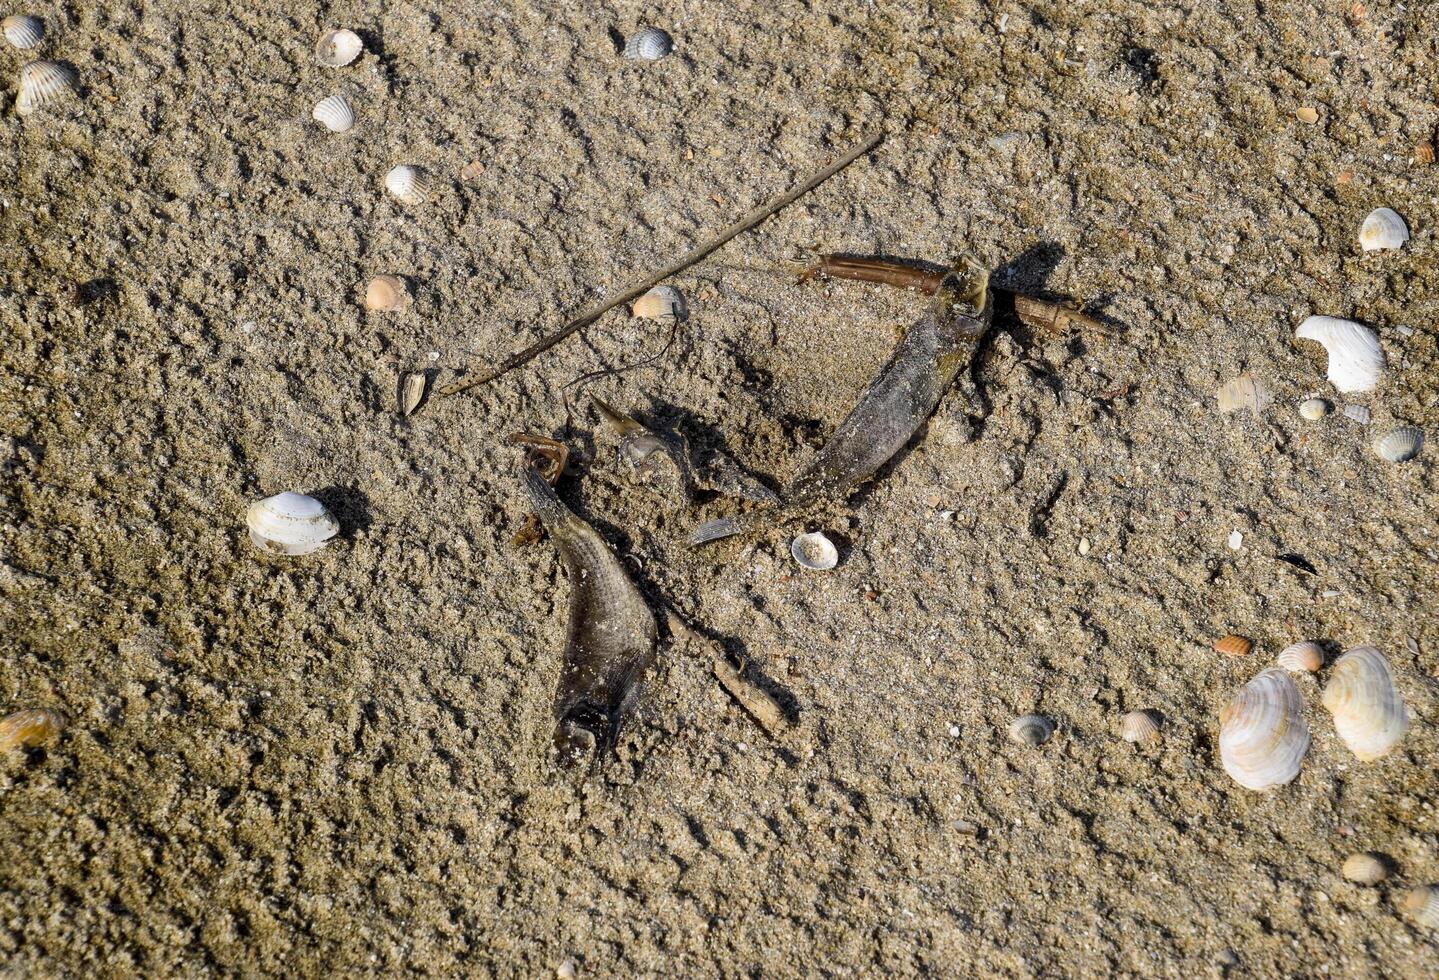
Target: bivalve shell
[660,303]
[1140,727]
[336,49]
[290,524]
[1031,730]
[1244,393]
[1314,409]
[42,82]
[1422,904]
[1263,736]
[814,551]
[411,391]
[409,185]
[1355,359]
[1365,869]
[1383,229]
[648,44]
[334,113]
[1369,713]
[1301,658]
[22,31]
[387,294]
[31,727]
[1234,645]
[1401,445]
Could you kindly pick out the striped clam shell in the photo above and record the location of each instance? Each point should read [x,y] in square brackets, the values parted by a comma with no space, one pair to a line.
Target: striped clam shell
[1140,727]
[1031,730]
[42,82]
[22,31]
[1263,736]
[1301,658]
[648,44]
[1369,713]
[1422,904]
[334,113]
[409,185]
[1401,445]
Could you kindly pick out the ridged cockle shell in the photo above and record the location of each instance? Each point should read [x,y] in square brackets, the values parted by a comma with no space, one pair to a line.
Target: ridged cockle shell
[1031,730]
[648,44]
[42,82]
[1263,736]
[409,185]
[1301,658]
[335,114]
[1369,713]
[22,31]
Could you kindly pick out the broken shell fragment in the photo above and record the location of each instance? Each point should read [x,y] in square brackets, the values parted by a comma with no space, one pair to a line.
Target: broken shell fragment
[1401,445]
[660,303]
[31,727]
[1383,229]
[334,113]
[648,44]
[1355,359]
[814,551]
[1314,409]
[409,185]
[1307,114]
[290,524]
[1031,730]
[1369,713]
[336,49]
[1263,737]
[1139,727]
[1357,413]
[1422,904]
[411,391]
[42,82]
[1301,658]
[387,294]
[1365,869]
[1244,393]
[22,31]
[1234,645]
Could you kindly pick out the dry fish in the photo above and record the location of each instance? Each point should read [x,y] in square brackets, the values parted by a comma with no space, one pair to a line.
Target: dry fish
[334,113]
[1400,445]
[610,639]
[42,82]
[22,31]
[1031,730]
[1301,658]
[31,727]
[648,44]
[1263,736]
[1369,713]
[1356,360]
[1383,229]
[336,49]
[290,524]
[1244,393]
[387,294]
[1234,645]
[1365,869]
[1140,727]
[814,551]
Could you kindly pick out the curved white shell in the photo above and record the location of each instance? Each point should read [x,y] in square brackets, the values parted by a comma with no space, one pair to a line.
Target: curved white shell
[336,49]
[1369,713]
[1263,737]
[648,44]
[42,82]
[1244,392]
[1365,868]
[814,551]
[1031,729]
[334,113]
[409,185]
[1422,904]
[1355,358]
[1401,445]
[1139,727]
[1301,658]
[1383,229]
[1314,409]
[662,302]
[22,31]
[290,524]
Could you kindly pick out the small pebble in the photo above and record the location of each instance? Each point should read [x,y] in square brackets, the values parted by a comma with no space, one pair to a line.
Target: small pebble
[1084,546]
[1236,540]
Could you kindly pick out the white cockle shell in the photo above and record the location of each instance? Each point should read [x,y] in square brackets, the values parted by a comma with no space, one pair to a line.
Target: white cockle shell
[42,82]
[334,113]
[648,44]
[1263,736]
[1301,658]
[1400,445]
[1355,359]
[1383,228]
[22,31]
[1369,713]
[814,551]
[290,524]
[1140,727]
[409,185]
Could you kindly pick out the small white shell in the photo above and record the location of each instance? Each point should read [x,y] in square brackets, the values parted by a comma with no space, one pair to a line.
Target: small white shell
[648,44]
[1365,869]
[42,82]
[1401,445]
[409,185]
[1244,392]
[336,49]
[22,31]
[1031,730]
[1355,359]
[1301,658]
[1139,727]
[1369,713]
[1357,413]
[290,524]
[1383,229]
[1263,737]
[1314,409]
[660,303]
[1422,904]
[334,113]
[814,551]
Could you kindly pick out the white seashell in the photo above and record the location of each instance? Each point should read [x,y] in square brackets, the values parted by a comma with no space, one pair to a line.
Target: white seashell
[1244,392]
[660,303]
[1382,229]
[814,551]
[1365,869]
[1355,358]
[1369,713]
[290,524]
[1263,737]
[648,44]
[22,31]
[1301,658]
[1031,730]
[336,49]
[1357,413]
[1314,409]
[409,185]
[1401,445]
[1140,727]
[1422,904]
[42,82]
[334,113]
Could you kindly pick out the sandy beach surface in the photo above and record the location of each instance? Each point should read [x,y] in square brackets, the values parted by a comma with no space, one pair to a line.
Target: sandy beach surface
[338,764]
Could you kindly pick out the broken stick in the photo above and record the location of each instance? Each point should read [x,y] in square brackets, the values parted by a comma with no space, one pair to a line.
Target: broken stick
[760,704]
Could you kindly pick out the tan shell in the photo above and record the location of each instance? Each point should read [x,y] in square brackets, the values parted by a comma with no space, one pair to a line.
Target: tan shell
[1234,645]
[42,82]
[1422,904]
[1140,727]
[1365,868]
[1263,736]
[31,727]
[1302,657]
[1307,114]
[1424,152]
[1031,730]
[411,391]
[1244,393]
[387,294]
[660,303]
[1369,713]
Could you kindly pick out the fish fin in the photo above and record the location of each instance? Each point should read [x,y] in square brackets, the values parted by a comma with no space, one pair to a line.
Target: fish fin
[714,530]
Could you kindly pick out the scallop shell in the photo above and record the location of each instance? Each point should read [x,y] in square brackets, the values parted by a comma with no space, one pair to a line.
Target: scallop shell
[411,391]
[22,31]
[409,185]
[290,524]
[1301,658]
[1244,392]
[1355,358]
[42,82]
[387,294]
[660,303]
[1422,904]
[1383,229]
[814,551]
[30,727]
[1234,645]
[1263,737]
[1365,869]
[648,44]
[1401,445]
[336,49]
[1031,730]
[1314,409]
[1139,727]
[334,113]
[1369,713]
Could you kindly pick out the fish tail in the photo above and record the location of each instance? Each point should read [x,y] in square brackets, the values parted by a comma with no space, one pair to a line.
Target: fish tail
[546,505]
[714,530]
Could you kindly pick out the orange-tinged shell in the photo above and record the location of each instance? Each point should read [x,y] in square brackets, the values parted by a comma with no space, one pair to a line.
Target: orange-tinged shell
[1304,657]
[387,294]
[1424,152]
[1234,645]
[1365,868]
[33,726]
[1422,904]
